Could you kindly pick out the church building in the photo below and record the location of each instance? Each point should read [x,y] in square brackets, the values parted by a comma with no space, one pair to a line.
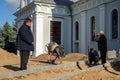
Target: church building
[71,23]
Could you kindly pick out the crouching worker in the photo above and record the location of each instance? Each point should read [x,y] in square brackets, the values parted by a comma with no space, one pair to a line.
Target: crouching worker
[93,56]
[55,50]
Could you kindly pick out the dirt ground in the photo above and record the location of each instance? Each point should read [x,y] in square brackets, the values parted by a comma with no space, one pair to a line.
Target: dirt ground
[69,57]
[9,62]
[106,73]
[45,75]
[7,58]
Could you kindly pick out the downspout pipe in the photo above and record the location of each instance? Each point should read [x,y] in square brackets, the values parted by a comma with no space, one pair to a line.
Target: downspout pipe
[70,9]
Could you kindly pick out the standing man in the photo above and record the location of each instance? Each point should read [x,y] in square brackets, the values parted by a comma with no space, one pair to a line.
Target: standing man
[25,43]
[102,46]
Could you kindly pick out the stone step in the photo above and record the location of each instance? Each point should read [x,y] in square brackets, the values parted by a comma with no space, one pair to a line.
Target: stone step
[65,76]
[52,67]
[40,69]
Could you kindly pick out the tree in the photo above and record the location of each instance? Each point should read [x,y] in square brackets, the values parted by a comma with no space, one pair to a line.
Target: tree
[6,30]
[8,33]
[14,31]
[1,39]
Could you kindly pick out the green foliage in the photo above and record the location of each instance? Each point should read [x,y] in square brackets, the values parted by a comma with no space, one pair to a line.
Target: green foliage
[1,39]
[8,36]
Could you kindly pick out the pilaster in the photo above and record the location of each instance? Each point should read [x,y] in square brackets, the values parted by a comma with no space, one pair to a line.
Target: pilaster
[102,17]
[38,34]
[83,32]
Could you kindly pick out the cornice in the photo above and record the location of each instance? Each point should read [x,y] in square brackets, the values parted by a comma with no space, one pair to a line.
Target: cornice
[79,7]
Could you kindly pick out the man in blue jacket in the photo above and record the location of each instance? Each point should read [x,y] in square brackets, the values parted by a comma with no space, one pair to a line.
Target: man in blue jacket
[25,43]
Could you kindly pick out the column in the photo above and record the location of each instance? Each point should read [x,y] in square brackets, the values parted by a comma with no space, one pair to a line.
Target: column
[83,33]
[70,36]
[38,34]
[102,17]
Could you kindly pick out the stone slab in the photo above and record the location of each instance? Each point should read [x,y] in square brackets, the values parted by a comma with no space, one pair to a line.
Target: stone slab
[40,69]
[111,54]
[52,67]
[65,76]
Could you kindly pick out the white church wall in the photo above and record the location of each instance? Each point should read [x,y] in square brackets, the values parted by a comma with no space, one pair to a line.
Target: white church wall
[46,33]
[65,31]
[112,43]
[56,13]
[66,34]
[61,13]
[92,12]
[43,13]
[85,28]
[38,34]
[76,18]
[102,9]
[99,11]
[69,39]
[83,32]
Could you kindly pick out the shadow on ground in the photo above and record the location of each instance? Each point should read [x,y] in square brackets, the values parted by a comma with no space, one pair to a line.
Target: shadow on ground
[116,65]
[86,63]
[109,70]
[14,68]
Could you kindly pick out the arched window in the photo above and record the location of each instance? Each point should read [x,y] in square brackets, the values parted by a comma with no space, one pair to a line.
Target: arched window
[76,30]
[93,28]
[114,19]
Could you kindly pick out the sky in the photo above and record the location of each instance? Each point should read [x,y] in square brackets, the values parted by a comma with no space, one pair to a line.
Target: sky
[7,9]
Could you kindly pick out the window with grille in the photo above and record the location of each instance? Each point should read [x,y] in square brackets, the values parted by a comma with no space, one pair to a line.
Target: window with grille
[114,21]
[76,30]
[93,31]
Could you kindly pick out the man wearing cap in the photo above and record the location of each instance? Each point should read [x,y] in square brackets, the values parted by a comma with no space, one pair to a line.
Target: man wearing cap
[25,43]
[102,46]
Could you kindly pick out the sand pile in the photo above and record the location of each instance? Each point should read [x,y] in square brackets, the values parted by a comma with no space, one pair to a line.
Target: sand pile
[7,58]
[75,57]
[68,57]
[42,57]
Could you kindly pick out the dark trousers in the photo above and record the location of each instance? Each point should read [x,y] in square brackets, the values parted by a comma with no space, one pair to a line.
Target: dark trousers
[103,56]
[24,56]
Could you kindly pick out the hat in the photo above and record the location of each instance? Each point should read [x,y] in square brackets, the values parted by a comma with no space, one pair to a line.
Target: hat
[101,32]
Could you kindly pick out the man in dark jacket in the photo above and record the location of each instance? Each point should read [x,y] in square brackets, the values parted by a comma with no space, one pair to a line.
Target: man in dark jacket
[25,42]
[102,46]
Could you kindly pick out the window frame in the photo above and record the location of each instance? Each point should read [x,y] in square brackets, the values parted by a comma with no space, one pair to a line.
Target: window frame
[76,30]
[93,28]
[112,24]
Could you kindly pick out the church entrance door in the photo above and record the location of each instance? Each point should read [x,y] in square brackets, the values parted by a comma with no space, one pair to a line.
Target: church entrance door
[55,31]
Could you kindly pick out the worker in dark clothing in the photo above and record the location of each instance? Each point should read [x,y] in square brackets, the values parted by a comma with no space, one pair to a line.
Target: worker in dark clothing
[56,50]
[93,56]
[102,46]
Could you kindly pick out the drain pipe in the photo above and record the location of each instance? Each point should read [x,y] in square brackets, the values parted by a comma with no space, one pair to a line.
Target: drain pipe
[70,9]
